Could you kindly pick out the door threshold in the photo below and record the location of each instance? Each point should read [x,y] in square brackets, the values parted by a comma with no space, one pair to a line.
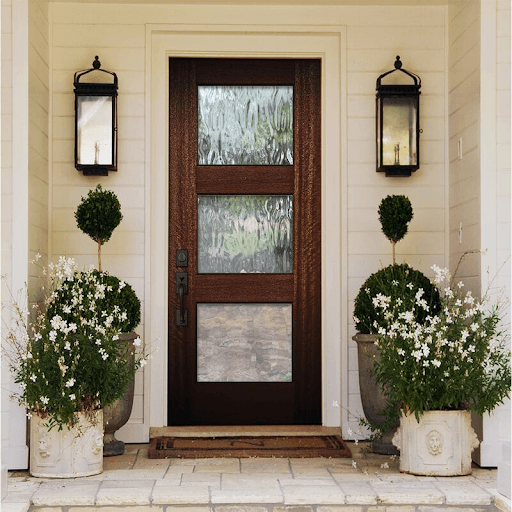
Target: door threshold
[243,430]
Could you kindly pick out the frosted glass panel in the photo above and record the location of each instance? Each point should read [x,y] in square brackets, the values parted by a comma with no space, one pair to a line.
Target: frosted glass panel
[238,234]
[244,343]
[245,125]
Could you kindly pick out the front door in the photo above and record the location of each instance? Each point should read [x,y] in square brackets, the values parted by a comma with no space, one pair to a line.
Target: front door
[244,242]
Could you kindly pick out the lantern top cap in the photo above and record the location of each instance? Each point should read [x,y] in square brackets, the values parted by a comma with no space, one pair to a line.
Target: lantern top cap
[398,67]
[96,65]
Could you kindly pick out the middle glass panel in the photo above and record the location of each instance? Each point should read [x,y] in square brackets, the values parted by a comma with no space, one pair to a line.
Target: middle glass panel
[245,234]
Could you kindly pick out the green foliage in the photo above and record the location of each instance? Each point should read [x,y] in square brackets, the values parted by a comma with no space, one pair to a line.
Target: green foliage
[400,283]
[69,359]
[99,214]
[118,300]
[395,212]
[456,359]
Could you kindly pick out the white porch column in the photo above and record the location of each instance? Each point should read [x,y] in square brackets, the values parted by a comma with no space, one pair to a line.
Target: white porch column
[14,446]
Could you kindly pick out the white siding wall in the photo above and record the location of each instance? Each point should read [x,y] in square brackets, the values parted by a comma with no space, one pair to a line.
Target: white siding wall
[464,121]
[38,102]
[371,51]
[479,114]
[374,37]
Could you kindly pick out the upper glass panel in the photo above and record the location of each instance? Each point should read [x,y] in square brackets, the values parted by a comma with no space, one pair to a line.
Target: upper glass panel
[245,125]
[238,234]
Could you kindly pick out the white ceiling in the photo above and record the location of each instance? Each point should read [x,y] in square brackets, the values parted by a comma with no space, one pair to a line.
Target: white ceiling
[276,2]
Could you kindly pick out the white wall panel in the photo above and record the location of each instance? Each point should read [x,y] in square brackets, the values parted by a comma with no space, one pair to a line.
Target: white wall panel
[417,34]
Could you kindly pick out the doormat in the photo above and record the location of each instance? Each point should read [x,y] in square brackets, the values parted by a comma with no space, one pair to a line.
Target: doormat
[248,446]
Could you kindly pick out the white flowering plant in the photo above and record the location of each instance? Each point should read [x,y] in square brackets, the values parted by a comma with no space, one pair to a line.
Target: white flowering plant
[456,359]
[65,356]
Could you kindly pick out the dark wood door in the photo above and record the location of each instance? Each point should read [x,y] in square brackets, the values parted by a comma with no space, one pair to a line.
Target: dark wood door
[284,179]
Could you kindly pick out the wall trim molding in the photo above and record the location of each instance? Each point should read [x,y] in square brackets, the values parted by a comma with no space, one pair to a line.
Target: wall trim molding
[298,41]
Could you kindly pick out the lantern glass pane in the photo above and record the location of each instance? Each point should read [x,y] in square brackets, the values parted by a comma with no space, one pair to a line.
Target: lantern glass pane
[399,129]
[94,130]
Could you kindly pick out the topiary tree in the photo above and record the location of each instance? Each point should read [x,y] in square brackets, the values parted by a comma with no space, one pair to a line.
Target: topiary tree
[395,212]
[98,215]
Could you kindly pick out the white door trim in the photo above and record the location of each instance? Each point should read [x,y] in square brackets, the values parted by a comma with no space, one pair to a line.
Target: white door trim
[325,43]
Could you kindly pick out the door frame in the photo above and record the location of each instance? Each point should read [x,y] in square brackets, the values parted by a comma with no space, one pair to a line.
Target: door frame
[324,43]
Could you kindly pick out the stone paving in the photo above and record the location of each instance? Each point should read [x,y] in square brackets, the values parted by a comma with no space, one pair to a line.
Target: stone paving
[365,483]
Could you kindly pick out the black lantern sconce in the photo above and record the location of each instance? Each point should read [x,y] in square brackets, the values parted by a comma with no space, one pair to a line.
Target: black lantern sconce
[95,123]
[398,125]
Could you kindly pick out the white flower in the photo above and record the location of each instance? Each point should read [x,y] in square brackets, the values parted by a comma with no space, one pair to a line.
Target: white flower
[137,342]
[72,396]
[33,377]
[143,363]
[436,363]
[70,383]
[44,399]
[354,464]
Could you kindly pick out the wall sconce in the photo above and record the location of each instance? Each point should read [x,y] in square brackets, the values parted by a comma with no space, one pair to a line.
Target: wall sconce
[95,123]
[398,131]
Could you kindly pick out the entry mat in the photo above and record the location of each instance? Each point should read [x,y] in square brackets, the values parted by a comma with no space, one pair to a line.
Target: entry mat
[248,446]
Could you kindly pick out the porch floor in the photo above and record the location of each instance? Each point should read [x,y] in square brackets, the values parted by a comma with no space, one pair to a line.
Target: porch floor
[365,483]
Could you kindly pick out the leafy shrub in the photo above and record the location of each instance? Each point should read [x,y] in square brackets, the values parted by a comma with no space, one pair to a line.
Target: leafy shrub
[395,212]
[456,359]
[99,214]
[401,284]
[69,360]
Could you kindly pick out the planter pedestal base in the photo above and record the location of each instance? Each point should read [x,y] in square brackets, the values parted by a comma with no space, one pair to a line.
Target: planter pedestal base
[113,446]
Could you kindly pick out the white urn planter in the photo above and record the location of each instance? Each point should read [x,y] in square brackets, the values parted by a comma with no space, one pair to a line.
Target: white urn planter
[439,445]
[68,453]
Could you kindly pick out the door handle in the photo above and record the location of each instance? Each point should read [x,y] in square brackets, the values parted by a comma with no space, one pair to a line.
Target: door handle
[181,290]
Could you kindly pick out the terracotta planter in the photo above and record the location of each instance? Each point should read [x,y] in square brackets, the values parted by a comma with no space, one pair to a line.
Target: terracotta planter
[117,414]
[68,453]
[439,445]
[372,395]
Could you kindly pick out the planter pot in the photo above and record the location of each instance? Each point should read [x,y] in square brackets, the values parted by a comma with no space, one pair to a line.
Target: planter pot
[118,413]
[68,453]
[372,395]
[439,445]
